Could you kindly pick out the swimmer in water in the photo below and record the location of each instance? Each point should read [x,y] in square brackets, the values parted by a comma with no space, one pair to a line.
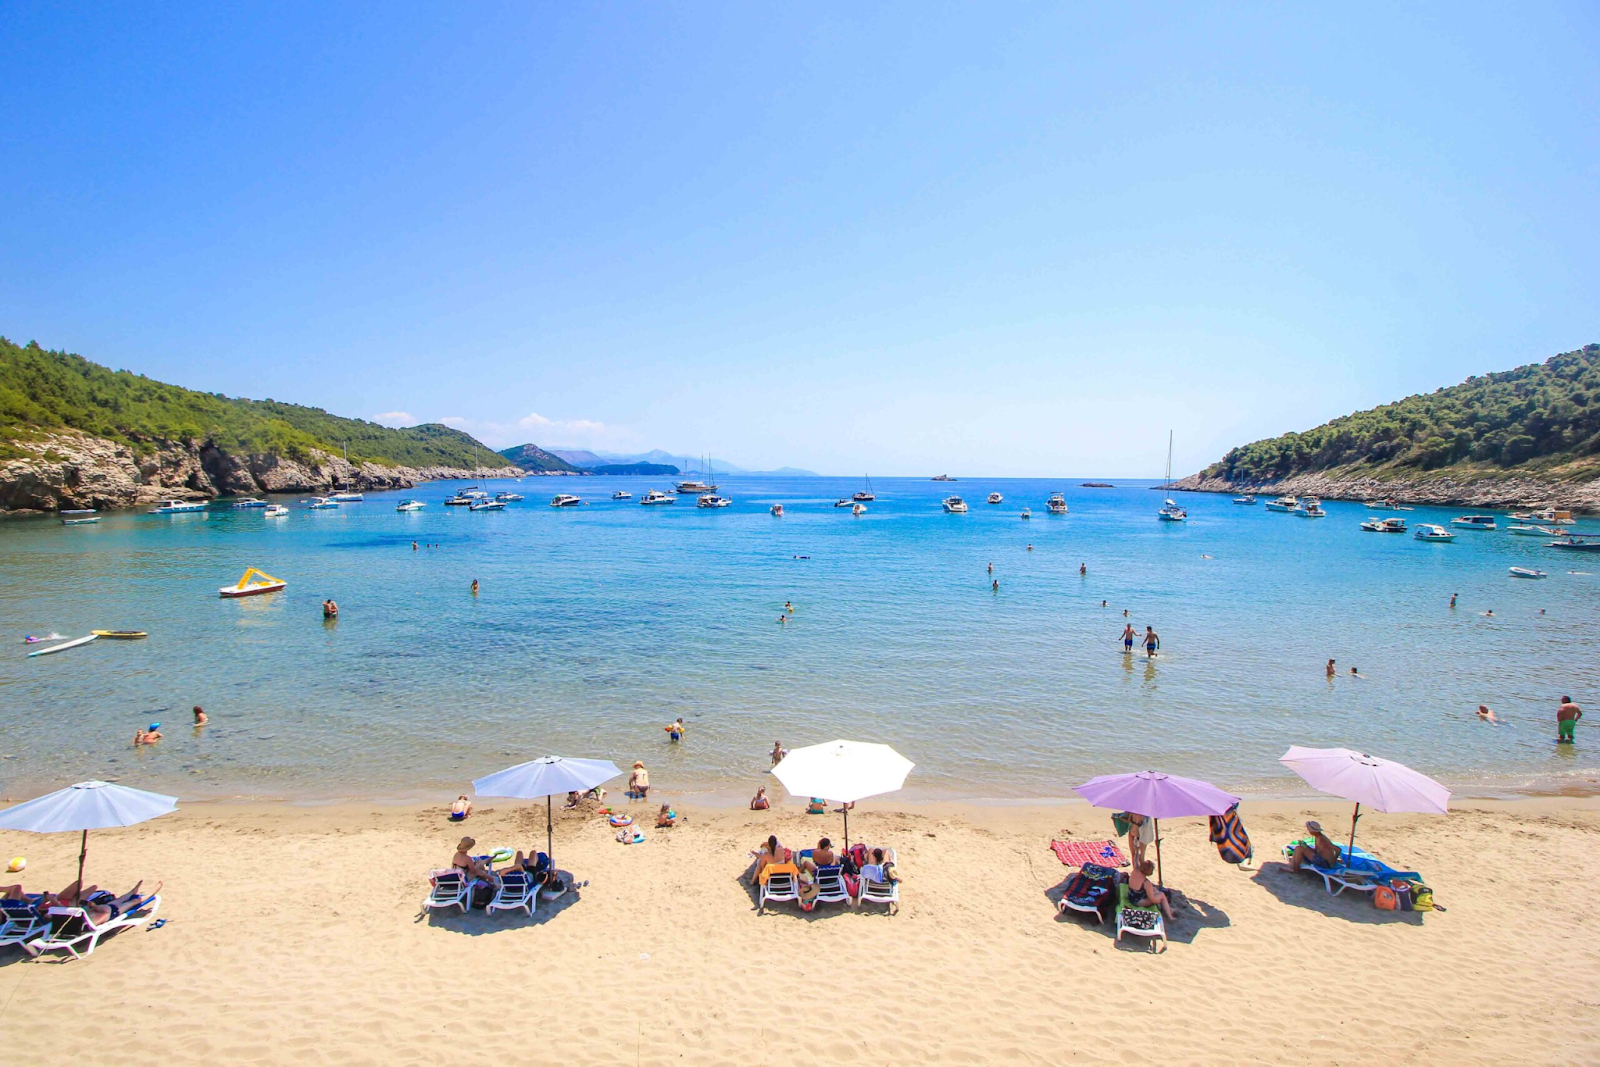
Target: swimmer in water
[995,585]
[1487,716]
[1330,670]
[1152,641]
[1204,556]
[200,718]
[1453,599]
[413,546]
[1102,603]
[991,568]
[474,587]
[788,608]
[1127,637]
[782,617]
[1030,548]
[1488,614]
[1083,569]
[330,610]
[1124,613]
[1355,674]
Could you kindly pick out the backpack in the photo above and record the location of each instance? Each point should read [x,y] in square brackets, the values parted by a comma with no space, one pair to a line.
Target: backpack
[1421,897]
[1384,899]
[1402,894]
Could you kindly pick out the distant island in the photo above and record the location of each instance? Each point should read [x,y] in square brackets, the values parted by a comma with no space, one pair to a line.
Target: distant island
[1098,485]
[75,434]
[1527,435]
[636,468]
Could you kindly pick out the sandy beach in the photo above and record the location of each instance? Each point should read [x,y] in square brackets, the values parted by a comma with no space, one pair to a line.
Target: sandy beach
[295,936]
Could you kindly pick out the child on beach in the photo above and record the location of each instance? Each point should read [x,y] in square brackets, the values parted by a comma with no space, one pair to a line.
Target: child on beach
[778,752]
[759,802]
[675,729]
[666,816]
[460,809]
[818,806]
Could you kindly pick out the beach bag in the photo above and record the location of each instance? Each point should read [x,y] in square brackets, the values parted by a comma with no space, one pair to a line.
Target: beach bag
[1421,897]
[1120,820]
[1384,899]
[1402,894]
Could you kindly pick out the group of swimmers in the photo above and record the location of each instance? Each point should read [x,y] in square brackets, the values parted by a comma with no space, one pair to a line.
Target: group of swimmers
[1150,639]
[150,735]
[857,867]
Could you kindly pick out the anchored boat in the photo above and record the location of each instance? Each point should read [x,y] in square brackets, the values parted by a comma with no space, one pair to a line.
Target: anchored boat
[253,583]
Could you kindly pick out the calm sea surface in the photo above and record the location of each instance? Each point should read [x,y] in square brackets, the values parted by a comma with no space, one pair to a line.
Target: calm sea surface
[597,625]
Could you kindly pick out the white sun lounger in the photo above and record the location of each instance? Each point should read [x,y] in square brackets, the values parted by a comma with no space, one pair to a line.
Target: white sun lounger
[517,890]
[20,921]
[881,892]
[778,887]
[1159,930]
[71,927]
[449,887]
[830,886]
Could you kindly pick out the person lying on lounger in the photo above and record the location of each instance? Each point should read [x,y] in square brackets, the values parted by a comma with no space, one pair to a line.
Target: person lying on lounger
[103,912]
[1324,854]
[535,864]
[1142,892]
[465,862]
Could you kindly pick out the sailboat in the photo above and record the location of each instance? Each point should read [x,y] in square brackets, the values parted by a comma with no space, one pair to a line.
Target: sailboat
[693,485]
[863,496]
[344,495]
[1170,511]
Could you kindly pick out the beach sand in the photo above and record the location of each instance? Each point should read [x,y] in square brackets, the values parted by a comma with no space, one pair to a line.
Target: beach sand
[295,937]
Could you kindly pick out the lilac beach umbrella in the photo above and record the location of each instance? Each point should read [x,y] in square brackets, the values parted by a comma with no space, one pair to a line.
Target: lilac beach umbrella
[1156,796]
[1377,783]
[91,805]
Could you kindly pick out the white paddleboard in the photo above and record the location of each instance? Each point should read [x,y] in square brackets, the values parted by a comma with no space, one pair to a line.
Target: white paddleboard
[58,648]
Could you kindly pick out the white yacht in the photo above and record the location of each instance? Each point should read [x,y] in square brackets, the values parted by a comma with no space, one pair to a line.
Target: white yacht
[410,505]
[656,496]
[1283,503]
[955,505]
[1056,505]
[711,500]
[508,498]
[173,507]
[1027,513]
[777,510]
[1384,526]
[1171,512]
[1311,509]
[1525,530]
[319,503]
[275,511]
[858,509]
[248,502]
[996,498]
[1474,522]
[346,497]
[1427,531]
[564,500]
[485,504]
[1248,500]
[622,494]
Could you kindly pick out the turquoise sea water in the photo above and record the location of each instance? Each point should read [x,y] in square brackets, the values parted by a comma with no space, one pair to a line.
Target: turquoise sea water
[597,625]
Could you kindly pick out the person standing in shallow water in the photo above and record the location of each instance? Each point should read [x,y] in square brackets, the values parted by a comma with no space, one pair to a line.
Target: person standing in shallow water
[1330,669]
[1453,599]
[1152,641]
[1567,721]
[1128,637]
[474,587]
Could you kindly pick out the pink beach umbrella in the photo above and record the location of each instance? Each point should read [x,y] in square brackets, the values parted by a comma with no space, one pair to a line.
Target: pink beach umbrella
[1377,783]
[1156,796]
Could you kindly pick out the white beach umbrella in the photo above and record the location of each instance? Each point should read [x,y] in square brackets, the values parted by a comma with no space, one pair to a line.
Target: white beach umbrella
[1371,780]
[84,807]
[845,771]
[545,777]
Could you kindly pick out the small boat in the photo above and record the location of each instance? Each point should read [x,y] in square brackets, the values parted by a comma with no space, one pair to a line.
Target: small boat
[460,500]
[1553,515]
[472,492]
[858,509]
[248,502]
[62,647]
[777,510]
[564,500]
[712,500]
[1311,510]
[410,505]
[80,522]
[1247,500]
[1027,513]
[1527,572]
[943,478]
[656,496]
[864,496]
[996,498]
[842,502]
[1056,505]
[76,511]
[954,505]
[176,507]
[1575,543]
[1384,526]
[1529,530]
[1283,503]
[622,494]
[319,503]
[1427,531]
[275,511]
[508,498]
[487,505]
[120,635]
[346,497]
[1384,505]
[253,583]
[1171,512]
[1473,522]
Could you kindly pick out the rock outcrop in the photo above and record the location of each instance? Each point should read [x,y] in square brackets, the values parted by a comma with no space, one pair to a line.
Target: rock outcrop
[68,469]
[1485,493]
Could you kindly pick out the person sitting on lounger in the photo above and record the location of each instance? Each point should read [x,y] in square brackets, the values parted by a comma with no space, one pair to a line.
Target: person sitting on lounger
[768,854]
[1323,852]
[759,802]
[470,866]
[535,864]
[823,855]
[1143,893]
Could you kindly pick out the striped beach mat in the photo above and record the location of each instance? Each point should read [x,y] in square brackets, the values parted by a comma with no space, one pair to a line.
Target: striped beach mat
[1077,853]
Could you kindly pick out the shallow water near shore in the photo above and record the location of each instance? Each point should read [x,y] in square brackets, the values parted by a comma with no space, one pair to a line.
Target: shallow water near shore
[594,626]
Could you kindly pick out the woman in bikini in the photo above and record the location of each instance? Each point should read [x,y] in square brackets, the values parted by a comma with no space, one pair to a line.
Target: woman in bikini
[1142,892]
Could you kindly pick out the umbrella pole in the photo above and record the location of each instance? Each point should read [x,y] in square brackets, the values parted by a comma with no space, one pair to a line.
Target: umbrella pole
[1159,880]
[846,827]
[1353,819]
[549,833]
[83,853]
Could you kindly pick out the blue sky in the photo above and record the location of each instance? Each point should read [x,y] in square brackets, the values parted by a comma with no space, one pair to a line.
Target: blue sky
[988,239]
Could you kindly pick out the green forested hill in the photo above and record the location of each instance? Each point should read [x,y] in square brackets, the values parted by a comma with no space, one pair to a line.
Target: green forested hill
[48,390]
[1544,417]
[534,458]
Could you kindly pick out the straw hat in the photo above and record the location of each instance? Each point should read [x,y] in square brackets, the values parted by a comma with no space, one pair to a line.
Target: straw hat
[638,763]
[1314,826]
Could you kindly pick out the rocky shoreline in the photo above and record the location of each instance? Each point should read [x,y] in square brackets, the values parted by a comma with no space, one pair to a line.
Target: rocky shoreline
[75,470]
[1499,493]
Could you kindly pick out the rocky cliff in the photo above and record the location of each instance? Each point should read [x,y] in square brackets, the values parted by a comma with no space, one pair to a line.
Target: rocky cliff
[68,469]
[1507,491]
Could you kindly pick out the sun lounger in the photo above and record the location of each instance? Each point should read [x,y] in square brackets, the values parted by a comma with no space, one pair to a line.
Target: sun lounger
[450,887]
[71,927]
[1139,920]
[1089,891]
[517,890]
[21,921]
[779,882]
[1361,870]
[830,885]
[881,892]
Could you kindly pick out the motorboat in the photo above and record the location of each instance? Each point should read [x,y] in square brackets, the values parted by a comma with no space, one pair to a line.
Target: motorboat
[320,502]
[1473,522]
[472,492]
[248,502]
[954,505]
[943,478]
[1312,509]
[77,511]
[842,502]
[1171,512]
[81,522]
[508,498]
[1384,526]
[275,511]
[1247,500]
[996,498]
[345,496]
[711,500]
[1575,543]
[1527,572]
[1027,513]
[858,509]
[1528,530]
[460,500]
[410,505]
[777,510]
[864,496]
[1427,531]
[622,494]
[1283,503]
[177,507]
[564,500]
[1384,505]
[253,583]
[1056,505]
[1553,515]
[487,505]
[656,496]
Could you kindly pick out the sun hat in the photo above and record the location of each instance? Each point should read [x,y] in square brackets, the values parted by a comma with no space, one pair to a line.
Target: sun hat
[638,763]
[1314,826]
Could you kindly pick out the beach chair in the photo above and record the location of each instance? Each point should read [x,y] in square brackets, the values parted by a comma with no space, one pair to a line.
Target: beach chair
[72,927]
[21,921]
[449,887]
[779,885]
[1088,890]
[1140,920]
[1361,870]
[830,885]
[881,892]
[517,890]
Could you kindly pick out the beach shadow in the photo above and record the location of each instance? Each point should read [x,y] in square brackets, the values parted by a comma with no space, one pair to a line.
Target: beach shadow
[792,909]
[1193,915]
[476,922]
[1302,889]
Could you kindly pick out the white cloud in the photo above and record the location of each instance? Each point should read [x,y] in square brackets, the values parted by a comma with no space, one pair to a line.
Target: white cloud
[396,418]
[570,431]
[535,428]
[457,421]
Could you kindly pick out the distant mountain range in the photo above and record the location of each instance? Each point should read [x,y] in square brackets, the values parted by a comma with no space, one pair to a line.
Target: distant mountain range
[588,460]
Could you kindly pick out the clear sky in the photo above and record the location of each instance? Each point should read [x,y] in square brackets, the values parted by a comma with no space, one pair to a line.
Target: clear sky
[986,239]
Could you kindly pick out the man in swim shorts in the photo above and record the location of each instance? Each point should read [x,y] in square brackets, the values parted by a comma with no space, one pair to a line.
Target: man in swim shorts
[1127,637]
[1152,641]
[1567,721]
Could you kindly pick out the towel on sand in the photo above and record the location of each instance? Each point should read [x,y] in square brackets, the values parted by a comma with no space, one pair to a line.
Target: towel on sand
[1077,853]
